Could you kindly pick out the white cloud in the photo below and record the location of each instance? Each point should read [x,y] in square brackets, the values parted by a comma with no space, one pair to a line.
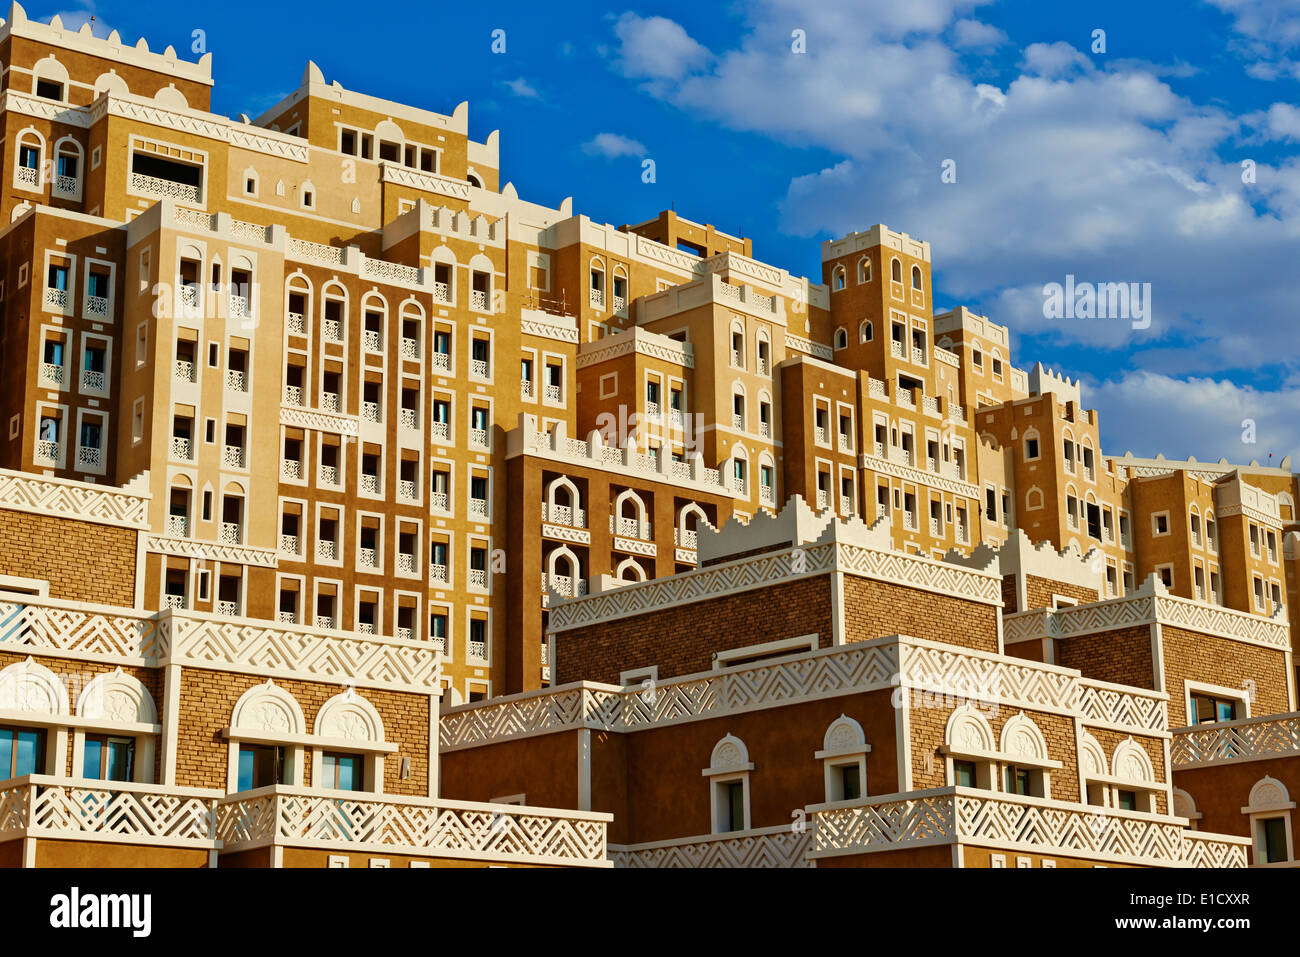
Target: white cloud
[656,48]
[522,88]
[1283,121]
[1054,59]
[974,35]
[612,146]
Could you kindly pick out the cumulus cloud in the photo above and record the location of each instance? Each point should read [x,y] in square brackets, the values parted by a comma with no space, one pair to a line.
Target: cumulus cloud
[974,35]
[612,146]
[656,48]
[522,88]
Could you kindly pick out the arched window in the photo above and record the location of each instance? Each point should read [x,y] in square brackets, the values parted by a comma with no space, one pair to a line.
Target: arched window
[728,774]
[916,277]
[837,278]
[1270,808]
[30,159]
[67,168]
[564,503]
[970,743]
[630,570]
[896,270]
[841,338]
[865,331]
[844,759]
[630,515]
[864,270]
[265,711]
[1026,758]
[1135,781]
[358,765]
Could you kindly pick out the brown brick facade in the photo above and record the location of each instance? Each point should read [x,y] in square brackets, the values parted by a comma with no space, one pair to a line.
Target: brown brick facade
[82,561]
[873,609]
[1122,656]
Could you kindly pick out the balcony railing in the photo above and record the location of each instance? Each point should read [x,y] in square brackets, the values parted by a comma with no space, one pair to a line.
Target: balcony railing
[478,507]
[333,330]
[327,475]
[408,418]
[164,188]
[370,483]
[737,421]
[286,617]
[236,381]
[526,391]
[478,649]
[325,621]
[289,545]
[296,323]
[184,371]
[178,526]
[97,305]
[846,444]
[89,457]
[239,307]
[410,348]
[367,558]
[29,176]
[620,303]
[564,585]
[564,515]
[327,550]
[478,438]
[440,361]
[291,469]
[441,430]
[293,395]
[686,538]
[229,609]
[598,299]
[92,380]
[47,451]
[406,563]
[440,501]
[233,457]
[767,495]
[478,299]
[51,372]
[57,298]
[181,448]
[478,577]
[176,602]
[372,340]
[406,490]
[897,350]
[438,573]
[478,368]
[370,411]
[551,393]
[231,533]
[329,401]
[441,292]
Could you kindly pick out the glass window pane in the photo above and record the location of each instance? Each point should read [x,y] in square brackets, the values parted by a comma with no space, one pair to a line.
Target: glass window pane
[119,759]
[6,753]
[93,763]
[27,753]
[852,783]
[246,757]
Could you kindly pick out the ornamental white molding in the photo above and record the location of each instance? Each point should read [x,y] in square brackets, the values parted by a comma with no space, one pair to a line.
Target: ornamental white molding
[1132,763]
[298,817]
[252,646]
[31,688]
[267,709]
[772,847]
[1250,739]
[640,342]
[212,551]
[24,104]
[808,347]
[566,533]
[962,816]
[429,182]
[884,663]
[349,717]
[1268,794]
[544,325]
[319,421]
[65,629]
[969,732]
[119,698]
[920,476]
[1021,738]
[81,501]
[650,251]
[635,547]
[1092,757]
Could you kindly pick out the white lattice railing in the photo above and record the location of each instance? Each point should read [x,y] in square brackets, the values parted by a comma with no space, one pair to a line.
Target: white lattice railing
[74,630]
[478,368]
[410,348]
[954,815]
[296,323]
[154,186]
[766,847]
[236,381]
[1271,736]
[291,469]
[92,380]
[181,448]
[333,330]
[110,812]
[441,292]
[57,298]
[52,372]
[440,361]
[370,483]
[372,340]
[478,300]
[352,821]
[370,411]
[184,371]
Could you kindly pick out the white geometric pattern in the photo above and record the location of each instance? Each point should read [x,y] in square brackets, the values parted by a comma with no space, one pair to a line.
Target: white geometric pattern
[69,499]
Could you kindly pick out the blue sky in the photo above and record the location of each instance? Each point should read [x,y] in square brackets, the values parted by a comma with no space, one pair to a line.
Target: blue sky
[1122,165]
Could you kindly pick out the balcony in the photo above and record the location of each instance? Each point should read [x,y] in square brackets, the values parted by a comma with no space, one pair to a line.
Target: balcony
[846,505]
[823,500]
[384,824]
[441,430]
[897,350]
[231,533]
[526,391]
[333,330]
[370,483]
[442,293]
[89,457]
[293,395]
[478,508]
[440,501]
[478,578]
[846,444]
[408,418]
[329,402]
[327,475]
[184,371]
[478,368]
[92,380]
[630,528]
[181,449]
[174,602]
[325,621]
[29,176]
[478,649]
[291,469]
[190,295]
[236,381]
[478,438]
[366,558]
[440,361]
[406,490]
[686,538]
[551,393]
[370,411]
[228,609]
[232,456]
[97,306]
[478,300]
[738,421]
[765,430]
[564,515]
[286,617]
[598,299]
[405,634]
[909,521]
[52,373]
[47,452]
[934,526]
[56,298]
[409,348]
[178,526]
[327,551]
[296,324]
[766,495]
[372,341]
[564,585]
[239,307]
[764,367]
[406,563]
[819,434]
[289,545]
[164,188]
[918,355]
[438,574]
[620,304]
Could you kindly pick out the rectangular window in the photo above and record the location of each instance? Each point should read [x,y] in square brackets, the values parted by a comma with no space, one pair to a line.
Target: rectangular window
[1208,709]
[340,772]
[733,794]
[1272,839]
[108,759]
[964,774]
[1126,800]
[261,765]
[22,751]
[850,782]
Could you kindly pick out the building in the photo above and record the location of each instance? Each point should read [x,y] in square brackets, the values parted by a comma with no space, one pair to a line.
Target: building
[316,402]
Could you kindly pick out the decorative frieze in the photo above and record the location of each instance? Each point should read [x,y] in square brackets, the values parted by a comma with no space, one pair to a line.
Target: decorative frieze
[81,501]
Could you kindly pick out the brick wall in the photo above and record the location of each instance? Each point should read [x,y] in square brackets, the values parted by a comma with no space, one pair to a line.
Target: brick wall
[1154,747]
[874,608]
[1122,656]
[1193,656]
[207,699]
[1039,592]
[83,561]
[929,768]
[682,639]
